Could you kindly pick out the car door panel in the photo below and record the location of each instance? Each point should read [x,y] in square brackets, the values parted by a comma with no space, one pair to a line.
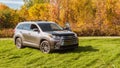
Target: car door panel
[34,36]
[25,32]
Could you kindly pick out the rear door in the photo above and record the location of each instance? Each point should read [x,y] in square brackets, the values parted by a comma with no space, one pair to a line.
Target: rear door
[26,32]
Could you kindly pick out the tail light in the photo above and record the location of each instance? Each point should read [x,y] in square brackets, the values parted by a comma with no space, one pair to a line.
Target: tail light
[13,30]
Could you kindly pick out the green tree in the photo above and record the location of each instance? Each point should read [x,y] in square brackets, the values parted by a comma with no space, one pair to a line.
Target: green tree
[9,18]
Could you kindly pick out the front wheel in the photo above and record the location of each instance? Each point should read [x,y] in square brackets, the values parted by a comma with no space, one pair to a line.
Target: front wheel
[19,43]
[45,47]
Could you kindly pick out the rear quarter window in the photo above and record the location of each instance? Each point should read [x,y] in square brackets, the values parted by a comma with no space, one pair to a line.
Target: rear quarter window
[20,26]
[24,26]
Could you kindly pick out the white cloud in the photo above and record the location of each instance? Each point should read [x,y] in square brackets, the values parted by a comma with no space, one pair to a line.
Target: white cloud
[12,2]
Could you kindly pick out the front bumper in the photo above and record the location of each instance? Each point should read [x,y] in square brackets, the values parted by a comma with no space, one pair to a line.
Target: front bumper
[65,44]
[69,47]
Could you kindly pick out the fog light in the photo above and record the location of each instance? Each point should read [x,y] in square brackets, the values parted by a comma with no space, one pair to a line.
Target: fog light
[57,44]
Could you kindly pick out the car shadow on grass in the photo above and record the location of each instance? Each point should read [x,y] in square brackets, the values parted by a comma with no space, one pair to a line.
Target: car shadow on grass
[80,49]
[86,48]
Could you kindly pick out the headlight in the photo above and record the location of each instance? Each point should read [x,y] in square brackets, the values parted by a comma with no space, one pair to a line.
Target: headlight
[54,36]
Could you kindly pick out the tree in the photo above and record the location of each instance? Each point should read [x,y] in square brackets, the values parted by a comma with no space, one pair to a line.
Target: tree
[30,3]
[39,12]
[23,13]
[3,7]
[9,18]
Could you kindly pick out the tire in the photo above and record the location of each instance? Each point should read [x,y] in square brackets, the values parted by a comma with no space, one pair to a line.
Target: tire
[18,42]
[45,47]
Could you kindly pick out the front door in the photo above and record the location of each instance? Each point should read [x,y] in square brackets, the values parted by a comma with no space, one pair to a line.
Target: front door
[34,35]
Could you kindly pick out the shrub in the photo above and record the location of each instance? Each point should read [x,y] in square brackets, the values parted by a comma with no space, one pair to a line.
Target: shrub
[90,30]
[6,33]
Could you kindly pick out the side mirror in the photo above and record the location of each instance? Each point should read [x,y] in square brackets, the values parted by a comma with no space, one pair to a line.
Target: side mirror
[67,26]
[36,30]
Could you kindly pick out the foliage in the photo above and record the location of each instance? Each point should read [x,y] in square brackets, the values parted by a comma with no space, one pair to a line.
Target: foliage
[92,53]
[23,13]
[4,33]
[39,12]
[30,3]
[2,6]
[9,18]
[87,17]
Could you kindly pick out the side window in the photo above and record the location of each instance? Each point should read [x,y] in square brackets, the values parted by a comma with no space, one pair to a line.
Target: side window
[20,26]
[26,26]
[33,26]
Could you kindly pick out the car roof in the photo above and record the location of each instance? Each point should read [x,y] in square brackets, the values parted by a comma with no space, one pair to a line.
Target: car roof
[33,22]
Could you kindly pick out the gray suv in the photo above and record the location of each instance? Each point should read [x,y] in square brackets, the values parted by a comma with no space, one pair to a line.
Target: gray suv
[47,36]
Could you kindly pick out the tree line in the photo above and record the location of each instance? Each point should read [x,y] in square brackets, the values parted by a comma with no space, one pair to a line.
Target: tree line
[86,17]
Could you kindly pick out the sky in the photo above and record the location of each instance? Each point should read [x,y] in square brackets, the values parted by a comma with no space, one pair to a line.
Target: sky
[15,4]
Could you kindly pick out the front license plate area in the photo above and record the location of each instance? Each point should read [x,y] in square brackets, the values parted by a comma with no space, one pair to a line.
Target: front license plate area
[67,42]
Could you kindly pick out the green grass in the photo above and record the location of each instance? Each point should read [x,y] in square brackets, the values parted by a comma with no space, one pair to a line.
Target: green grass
[92,53]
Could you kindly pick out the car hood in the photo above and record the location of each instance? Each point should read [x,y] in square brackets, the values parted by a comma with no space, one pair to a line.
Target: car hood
[61,33]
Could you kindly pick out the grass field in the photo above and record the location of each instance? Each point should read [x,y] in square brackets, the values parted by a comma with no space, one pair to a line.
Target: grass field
[92,53]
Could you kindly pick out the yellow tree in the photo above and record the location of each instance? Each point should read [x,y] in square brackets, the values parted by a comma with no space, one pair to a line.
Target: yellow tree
[39,12]
[3,7]
[23,12]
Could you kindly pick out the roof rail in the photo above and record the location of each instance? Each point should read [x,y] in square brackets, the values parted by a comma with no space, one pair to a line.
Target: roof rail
[36,20]
[33,20]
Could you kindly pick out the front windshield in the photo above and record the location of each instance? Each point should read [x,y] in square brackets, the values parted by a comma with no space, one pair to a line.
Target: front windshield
[49,27]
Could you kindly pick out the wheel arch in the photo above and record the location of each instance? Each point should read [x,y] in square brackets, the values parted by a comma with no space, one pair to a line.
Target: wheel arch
[17,37]
[43,40]
[49,41]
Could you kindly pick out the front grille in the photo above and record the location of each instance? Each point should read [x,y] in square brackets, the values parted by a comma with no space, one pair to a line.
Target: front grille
[68,47]
[69,40]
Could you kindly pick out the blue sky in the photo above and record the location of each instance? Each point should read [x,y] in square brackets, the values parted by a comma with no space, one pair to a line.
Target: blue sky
[15,4]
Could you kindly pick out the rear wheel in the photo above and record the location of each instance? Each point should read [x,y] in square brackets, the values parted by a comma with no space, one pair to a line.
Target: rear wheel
[45,47]
[19,43]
